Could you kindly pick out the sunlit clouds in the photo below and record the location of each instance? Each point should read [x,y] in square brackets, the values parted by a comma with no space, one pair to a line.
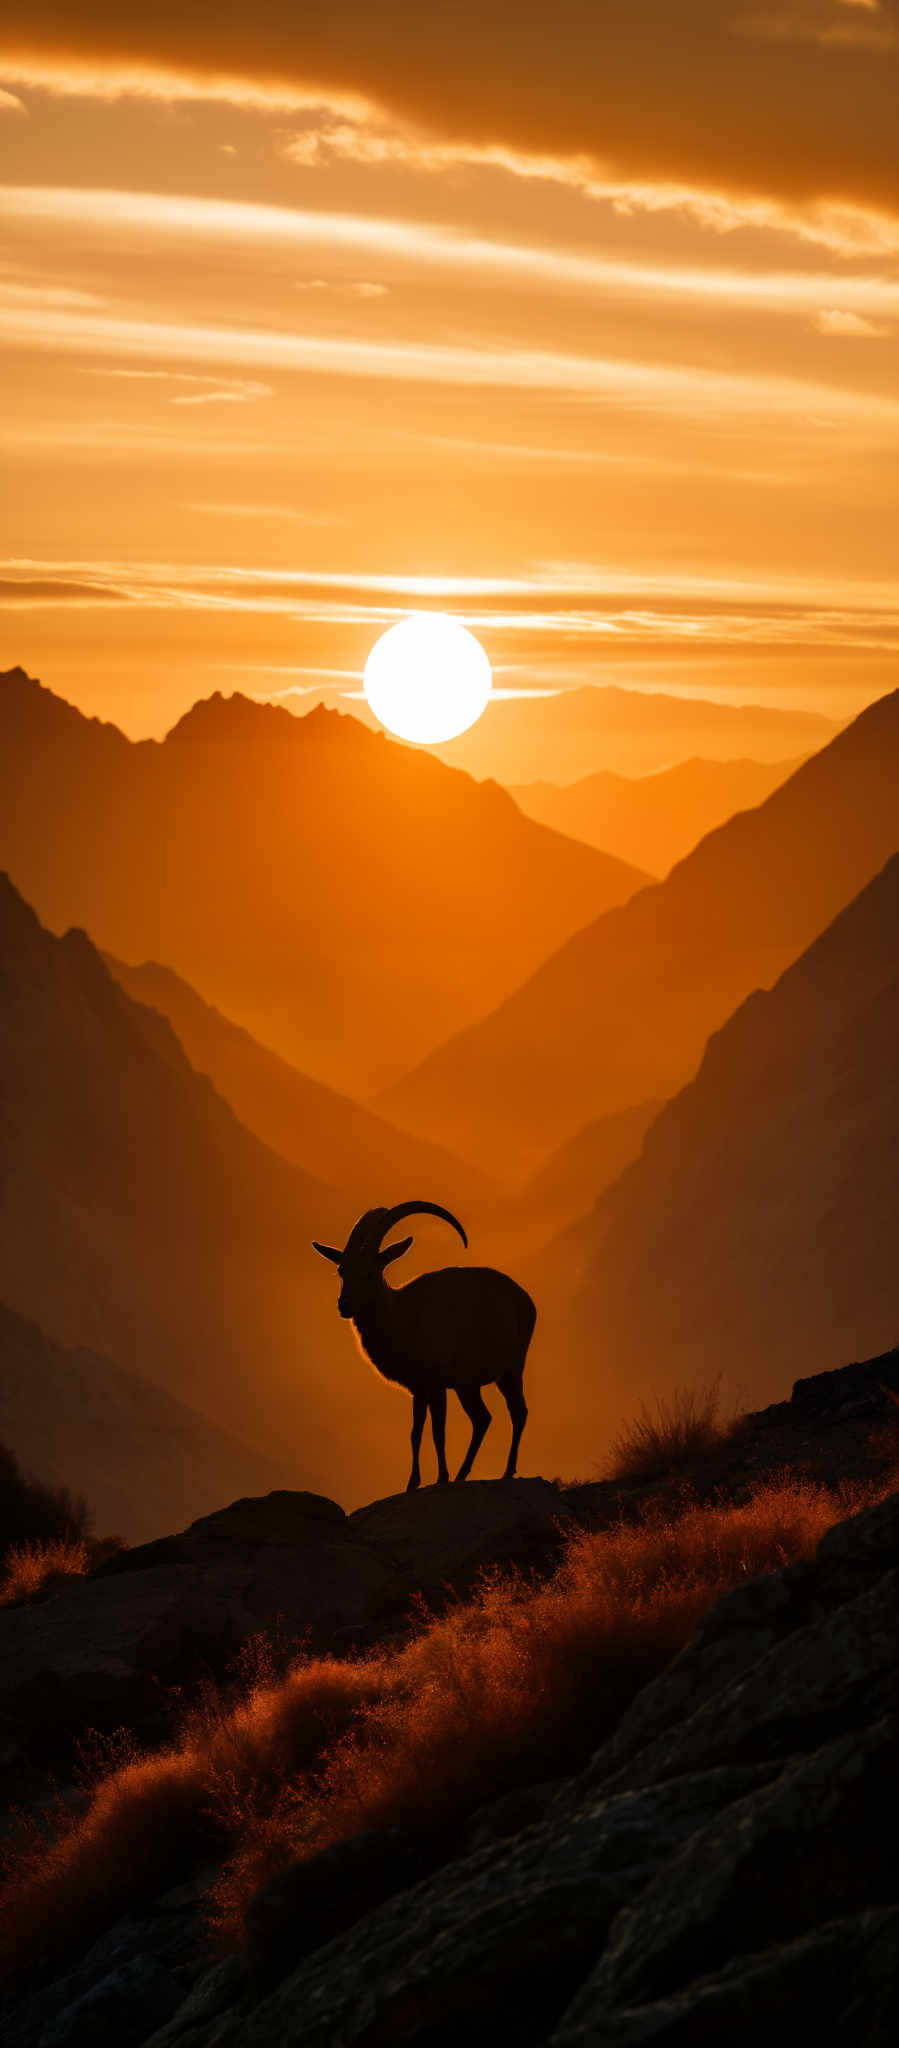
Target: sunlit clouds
[594,348]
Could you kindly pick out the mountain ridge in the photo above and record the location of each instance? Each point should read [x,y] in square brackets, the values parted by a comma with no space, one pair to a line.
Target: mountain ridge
[754,1234]
[329,889]
[663,815]
[621,1012]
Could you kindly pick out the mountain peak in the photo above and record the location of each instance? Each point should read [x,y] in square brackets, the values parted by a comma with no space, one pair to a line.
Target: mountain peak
[239,718]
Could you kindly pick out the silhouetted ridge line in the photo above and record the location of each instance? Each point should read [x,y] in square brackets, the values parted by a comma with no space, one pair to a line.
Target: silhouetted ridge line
[620,1013]
[244,893]
[756,1232]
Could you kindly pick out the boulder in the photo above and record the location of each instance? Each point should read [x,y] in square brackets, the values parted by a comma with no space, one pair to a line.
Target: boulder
[447,1534]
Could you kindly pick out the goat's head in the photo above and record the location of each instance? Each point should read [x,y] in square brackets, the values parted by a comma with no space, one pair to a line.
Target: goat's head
[362,1261]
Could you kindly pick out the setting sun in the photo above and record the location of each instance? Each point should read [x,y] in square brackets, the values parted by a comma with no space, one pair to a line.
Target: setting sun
[427,678]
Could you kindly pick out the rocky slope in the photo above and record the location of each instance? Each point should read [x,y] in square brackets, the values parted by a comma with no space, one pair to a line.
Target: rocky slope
[721,1861]
[755,1235]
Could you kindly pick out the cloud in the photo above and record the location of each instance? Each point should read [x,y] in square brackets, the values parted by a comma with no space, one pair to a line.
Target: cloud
[233,391]
[243,393]
[836,322]
[697,94]
[648,387]
[354,288]
[10,103]
[551,612]
[227,511]
[37,591]
[432,245]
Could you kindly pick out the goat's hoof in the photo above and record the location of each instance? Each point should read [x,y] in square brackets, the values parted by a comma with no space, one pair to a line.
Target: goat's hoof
[443,1479]
[413,1485]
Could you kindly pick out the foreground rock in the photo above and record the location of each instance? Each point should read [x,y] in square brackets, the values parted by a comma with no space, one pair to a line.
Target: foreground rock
[105,1650]
[728,1857]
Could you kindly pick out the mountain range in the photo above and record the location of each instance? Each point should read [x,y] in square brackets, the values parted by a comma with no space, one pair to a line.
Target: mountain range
[350,901]
[653,820]
[755,1236]
[562,737]
[562,734]
[137,1454]
[363,1158]
[140,1220]
[620,1014]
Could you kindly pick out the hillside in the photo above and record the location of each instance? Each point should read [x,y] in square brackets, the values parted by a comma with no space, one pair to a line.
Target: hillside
[141,1220]
[142,1459]
[653,820]
[361,1155]
[621,1013]
[524,1808]
[577,732]
[330,890]
[756,1234]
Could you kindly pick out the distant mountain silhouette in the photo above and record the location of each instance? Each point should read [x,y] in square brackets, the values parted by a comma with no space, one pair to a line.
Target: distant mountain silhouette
[621,1013]
[570,1180]
[653,820]
[140,1219]
[348,900]
[756,1234]
[135,1453]
[631,732]
[320,1131]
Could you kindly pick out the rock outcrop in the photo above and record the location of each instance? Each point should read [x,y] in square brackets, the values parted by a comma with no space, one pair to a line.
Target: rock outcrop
[728,1856]
[104,1650]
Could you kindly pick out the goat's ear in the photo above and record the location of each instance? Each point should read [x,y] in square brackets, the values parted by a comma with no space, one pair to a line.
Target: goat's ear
[395,1251]
[328,1252]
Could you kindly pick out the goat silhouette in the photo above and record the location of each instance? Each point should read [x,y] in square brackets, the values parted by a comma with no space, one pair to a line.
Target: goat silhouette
[456,1330]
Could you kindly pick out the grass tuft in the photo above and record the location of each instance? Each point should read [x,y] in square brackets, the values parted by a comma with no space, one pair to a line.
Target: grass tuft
[30,1570]
[685,1428]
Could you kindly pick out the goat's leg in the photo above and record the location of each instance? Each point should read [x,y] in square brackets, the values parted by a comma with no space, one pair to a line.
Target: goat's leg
[419,1415]
[480,1418]
[512,1391]
[437,1405]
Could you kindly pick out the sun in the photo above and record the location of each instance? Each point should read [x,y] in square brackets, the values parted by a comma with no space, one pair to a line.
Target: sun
[427,678]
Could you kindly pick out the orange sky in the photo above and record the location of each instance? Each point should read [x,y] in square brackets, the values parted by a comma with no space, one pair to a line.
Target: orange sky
[578,321]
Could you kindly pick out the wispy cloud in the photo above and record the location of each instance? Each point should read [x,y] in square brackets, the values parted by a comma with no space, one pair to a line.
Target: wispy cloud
[353,288]
[432,245]
[838,321]
[648,387]
[294,512]
[216,391]
[574,604]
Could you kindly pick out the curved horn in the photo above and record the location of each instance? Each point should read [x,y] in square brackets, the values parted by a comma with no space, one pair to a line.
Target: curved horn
[395,1215]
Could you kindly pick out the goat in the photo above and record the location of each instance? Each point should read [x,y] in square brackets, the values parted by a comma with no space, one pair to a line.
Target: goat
[460,1329]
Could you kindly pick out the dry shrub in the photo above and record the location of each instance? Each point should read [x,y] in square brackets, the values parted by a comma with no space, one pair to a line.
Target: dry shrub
[31,1569]
[686,1427]
[146,1819]
[522,1680]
